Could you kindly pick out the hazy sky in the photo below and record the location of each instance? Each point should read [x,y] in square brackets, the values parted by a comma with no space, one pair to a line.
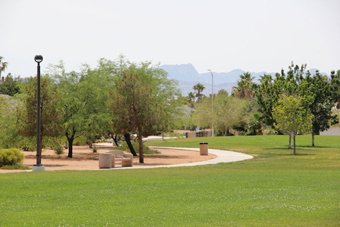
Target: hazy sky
[221,35]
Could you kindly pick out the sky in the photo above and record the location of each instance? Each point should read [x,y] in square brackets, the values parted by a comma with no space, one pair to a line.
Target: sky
[221,35]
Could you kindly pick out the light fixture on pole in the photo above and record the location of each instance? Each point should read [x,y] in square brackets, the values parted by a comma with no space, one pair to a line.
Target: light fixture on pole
[38,167]
[212,103]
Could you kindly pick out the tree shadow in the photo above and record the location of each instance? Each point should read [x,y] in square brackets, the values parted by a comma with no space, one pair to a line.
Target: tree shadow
[315,146]
[290,150]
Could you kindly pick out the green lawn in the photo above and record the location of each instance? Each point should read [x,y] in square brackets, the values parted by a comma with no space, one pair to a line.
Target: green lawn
[275,188]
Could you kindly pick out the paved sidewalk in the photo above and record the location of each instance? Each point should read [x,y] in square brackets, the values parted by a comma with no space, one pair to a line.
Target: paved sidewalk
[222,157]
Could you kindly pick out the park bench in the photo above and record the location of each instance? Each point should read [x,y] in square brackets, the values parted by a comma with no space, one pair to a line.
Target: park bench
[118,155]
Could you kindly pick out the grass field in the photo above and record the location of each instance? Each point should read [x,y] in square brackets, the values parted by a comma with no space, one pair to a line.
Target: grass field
[275,188]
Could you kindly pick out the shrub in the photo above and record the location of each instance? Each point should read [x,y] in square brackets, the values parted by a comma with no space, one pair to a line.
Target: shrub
[28,144]
[11,156]
[58,148]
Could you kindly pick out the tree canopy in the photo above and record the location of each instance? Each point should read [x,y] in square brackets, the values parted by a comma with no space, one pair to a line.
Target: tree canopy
[228,111]
[199,88]
[291,117]
[50,114]
[83,99]
[244,89]
[143,100]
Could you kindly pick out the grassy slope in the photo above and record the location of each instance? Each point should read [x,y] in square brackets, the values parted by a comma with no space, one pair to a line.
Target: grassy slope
[274,189]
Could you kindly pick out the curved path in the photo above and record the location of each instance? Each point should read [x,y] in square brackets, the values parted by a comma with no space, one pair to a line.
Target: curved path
[222,157]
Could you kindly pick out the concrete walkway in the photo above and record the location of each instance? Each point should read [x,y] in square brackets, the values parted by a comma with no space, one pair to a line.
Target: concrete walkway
[222,157]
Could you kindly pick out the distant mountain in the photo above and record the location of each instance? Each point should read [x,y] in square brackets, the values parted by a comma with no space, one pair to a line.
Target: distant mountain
[187,76]
[185,72]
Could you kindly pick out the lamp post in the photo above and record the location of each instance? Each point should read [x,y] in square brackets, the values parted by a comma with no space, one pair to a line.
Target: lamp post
[38,167]
[212,103]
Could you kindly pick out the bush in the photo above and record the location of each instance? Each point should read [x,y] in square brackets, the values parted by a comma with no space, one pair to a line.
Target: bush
[11,156]
[28,144]
[58,148]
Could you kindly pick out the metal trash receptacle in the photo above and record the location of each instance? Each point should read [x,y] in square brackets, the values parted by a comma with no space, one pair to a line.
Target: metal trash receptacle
[203,148]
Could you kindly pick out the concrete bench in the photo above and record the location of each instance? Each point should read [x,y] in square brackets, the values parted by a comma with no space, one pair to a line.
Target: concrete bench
[118,155]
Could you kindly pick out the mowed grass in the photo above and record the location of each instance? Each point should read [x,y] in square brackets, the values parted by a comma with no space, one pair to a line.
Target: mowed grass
[275,188]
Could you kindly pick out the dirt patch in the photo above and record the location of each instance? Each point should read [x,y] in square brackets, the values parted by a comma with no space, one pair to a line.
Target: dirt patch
[85,159]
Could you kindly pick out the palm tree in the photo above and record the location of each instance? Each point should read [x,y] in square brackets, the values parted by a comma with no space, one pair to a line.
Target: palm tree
[3,65]
[199,88]
[244,89]
[191,98]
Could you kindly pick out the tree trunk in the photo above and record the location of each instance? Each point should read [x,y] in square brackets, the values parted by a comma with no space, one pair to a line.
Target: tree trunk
[70,146]
[128,141]
[115,140]
[294,145]
[41,144]
[290,141]
[313,144]
[140,140]
[70,140]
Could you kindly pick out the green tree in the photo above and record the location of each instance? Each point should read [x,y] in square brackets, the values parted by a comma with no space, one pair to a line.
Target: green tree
[228,112]
[9,86]
[323,101]
[291,117]
[9,136]
[50,115]
[222,92]
[269,90]
[191,99]
[83,99]
[144,100]
[199,88]
[244,89]
[267,93]
[335,84]
[3,66]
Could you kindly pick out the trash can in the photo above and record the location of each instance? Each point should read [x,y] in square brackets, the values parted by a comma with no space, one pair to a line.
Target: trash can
[203,148]
[105,160]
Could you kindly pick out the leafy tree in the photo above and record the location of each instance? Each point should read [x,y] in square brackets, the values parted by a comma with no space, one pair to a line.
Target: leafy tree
[3,66]
[50,115]
[8,133]
[143,101]
[228,112]
[199,88]
[222,92]
[83,101]
[269,90]
[9,86]
[335,86]
[322,103]
[291,117]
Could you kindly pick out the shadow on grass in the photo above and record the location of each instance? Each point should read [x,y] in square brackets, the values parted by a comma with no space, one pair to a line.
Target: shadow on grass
[315,146]
[288,152]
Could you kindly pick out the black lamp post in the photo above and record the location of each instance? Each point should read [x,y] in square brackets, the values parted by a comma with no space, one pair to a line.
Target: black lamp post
[38,167]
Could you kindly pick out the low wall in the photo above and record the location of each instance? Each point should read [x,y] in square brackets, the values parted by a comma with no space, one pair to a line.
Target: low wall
[333,131]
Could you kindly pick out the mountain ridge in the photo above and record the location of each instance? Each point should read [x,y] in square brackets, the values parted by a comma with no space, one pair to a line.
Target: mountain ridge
[187,76]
